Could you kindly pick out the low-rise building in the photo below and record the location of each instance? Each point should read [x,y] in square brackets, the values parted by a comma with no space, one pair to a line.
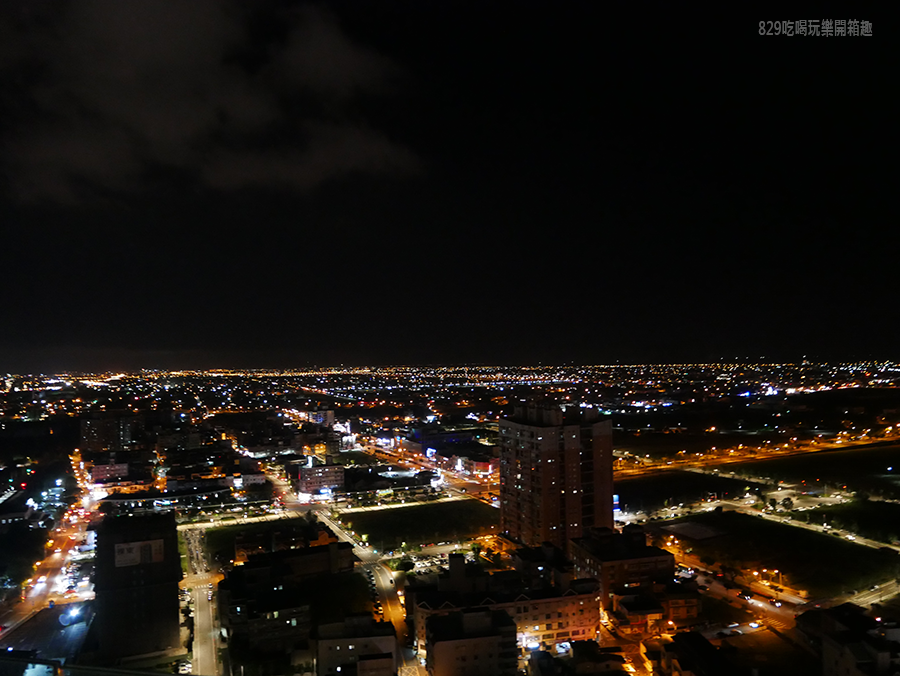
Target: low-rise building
[589,658]
[637,615]
[543,617]
[663,607]
[314,479]
[682,606]
[104,471]
[271,620]
[357,645]
[691,654]
[294,565]
[471,642]
[623,563]
[293,534]
[850,642]
[253,479]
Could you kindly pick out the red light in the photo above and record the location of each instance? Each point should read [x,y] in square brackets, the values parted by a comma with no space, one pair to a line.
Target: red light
[23,485]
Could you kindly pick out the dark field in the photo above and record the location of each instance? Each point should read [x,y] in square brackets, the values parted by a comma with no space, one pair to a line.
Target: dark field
[425,524]
[875,520]
[220,541]
[824,565]
[863,468]
[669,488]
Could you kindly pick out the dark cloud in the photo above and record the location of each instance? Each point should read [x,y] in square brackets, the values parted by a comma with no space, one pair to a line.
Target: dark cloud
[109,90]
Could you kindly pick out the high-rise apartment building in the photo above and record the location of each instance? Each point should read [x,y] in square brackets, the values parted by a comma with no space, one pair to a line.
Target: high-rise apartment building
[110,431]
[138,569]
[555,474]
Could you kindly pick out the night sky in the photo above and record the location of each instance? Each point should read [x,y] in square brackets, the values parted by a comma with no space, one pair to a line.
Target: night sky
[281,184]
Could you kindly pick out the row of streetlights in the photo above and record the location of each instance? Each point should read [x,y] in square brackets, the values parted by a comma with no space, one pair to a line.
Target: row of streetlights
[770,572]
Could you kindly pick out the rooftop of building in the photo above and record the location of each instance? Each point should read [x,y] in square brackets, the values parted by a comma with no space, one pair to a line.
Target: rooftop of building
[640,604]
[434,599]
[606,544]
[675,590]
[697,654]
[845,617]
[547,553]
[552,415]
[473,450]
[137,525]
[849,625]
[592,652]
[469,623]
[355,626]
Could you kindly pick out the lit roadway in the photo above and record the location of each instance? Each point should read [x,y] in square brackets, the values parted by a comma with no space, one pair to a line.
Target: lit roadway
[387,591]
[819,528]
[56,633]
[783,617]
[390,601]
[479,489]
[738,456]
[206,644]
[218,522]
[415,461]
[863,598]
[38,595]
[780,617]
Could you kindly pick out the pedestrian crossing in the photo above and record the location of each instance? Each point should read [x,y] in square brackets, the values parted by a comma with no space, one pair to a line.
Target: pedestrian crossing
[781,625]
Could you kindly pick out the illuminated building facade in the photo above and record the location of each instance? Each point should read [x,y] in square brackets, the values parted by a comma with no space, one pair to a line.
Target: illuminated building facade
[314,479]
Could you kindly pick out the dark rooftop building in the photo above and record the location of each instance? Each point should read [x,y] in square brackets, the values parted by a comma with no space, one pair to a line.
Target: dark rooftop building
[588,657]
[692,653]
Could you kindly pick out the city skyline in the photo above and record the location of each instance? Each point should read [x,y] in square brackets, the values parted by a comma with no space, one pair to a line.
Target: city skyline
[287,184]
[397,338]
[407,517]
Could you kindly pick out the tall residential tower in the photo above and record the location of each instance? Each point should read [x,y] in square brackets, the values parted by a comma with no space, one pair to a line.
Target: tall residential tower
[138,571]
[555,474]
